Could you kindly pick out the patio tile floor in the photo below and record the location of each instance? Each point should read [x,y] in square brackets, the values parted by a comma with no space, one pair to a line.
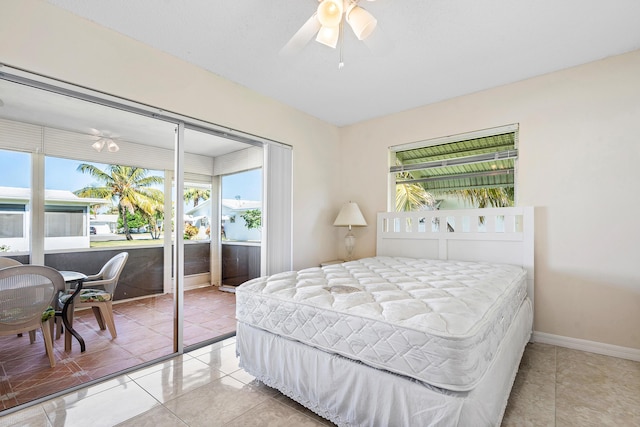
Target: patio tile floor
[145,332]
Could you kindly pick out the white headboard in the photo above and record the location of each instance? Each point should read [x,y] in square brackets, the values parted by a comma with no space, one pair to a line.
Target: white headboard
[501,235]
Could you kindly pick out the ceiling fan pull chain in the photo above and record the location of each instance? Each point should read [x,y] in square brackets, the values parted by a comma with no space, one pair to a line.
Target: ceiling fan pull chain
[341,63]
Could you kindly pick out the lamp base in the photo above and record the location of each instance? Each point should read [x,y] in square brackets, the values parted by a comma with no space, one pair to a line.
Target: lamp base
[349,243]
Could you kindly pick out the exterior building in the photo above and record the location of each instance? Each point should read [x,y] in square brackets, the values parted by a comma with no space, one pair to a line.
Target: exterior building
[104,224]
[66,219]
[234,226]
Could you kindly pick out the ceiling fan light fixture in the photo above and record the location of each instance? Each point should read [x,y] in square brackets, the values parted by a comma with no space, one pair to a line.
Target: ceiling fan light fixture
[361,22]
[326,24]
[112,146]
[98,145]
[330,12]
[328,36]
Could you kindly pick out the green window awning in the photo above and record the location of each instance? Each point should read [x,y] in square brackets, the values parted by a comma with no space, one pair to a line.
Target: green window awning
[483,162]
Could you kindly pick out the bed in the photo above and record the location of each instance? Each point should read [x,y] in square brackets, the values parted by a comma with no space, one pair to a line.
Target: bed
[430,331]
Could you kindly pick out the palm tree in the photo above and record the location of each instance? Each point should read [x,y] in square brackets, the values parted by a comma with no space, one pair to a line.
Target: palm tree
[412,197]
[129,186]
[195,195]
[486,197]
[155,220]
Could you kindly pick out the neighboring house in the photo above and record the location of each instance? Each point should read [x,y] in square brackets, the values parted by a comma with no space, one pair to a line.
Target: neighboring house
[104,224]
[234,226]
[66,219]
[200,215]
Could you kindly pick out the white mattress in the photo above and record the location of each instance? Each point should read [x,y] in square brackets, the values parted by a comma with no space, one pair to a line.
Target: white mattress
[353,394]
[439,322]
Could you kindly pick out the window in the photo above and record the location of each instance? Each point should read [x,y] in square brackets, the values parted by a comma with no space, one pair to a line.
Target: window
[84,204]
[64,221]
[197,212]
[12,220]
[15,194]
[242,206]
[470,170]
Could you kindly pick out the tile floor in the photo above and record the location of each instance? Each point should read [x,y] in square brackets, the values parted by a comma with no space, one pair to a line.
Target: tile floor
[558,386]
[554,387]
[145,333]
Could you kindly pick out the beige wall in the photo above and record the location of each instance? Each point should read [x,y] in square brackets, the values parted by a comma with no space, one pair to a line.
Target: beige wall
[47,40]
[579,166]
[579,153]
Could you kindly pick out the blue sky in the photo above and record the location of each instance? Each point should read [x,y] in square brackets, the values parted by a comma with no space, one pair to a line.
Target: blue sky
[247,185]
[61,174]
[15,169]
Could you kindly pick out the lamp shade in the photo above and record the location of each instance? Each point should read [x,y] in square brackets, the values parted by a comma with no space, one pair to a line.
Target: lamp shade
[349,216]
[362,22]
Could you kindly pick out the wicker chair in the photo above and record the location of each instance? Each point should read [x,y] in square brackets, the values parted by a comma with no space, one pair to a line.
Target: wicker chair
[26,294]
[10,262]
[100,299]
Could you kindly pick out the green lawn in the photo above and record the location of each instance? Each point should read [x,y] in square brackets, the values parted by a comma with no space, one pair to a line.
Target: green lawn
[121,243]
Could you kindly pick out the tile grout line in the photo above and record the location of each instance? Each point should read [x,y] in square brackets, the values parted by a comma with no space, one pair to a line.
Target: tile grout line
[555,388]
[159,402]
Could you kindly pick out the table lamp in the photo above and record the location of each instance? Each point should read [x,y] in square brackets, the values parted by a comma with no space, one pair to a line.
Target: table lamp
[350,216]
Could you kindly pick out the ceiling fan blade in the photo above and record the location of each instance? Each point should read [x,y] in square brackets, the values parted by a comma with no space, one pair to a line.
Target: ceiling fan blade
[301,37]
[379,43]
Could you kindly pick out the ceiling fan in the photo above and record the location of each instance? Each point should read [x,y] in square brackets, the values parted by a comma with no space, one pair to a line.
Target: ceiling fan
[327,25]
[104,139]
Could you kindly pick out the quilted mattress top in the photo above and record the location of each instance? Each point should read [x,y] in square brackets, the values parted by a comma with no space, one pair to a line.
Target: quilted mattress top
[437,321]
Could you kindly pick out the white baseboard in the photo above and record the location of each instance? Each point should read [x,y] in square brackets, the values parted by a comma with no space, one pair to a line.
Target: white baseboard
[590,346]
[195,281]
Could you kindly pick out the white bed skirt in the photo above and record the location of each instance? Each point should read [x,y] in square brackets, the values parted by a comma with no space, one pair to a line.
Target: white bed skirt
[350,393]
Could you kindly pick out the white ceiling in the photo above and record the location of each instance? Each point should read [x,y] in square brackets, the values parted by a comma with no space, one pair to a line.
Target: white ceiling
[23,103]
[435,49]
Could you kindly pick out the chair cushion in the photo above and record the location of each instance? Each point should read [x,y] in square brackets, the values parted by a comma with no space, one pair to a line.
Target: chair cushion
[48,314]
[87,295]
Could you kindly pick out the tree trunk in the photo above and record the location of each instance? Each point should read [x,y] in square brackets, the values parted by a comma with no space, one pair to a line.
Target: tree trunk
[125,223]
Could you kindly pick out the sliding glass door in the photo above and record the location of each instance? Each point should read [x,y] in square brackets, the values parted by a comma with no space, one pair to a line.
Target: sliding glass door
[83,182]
